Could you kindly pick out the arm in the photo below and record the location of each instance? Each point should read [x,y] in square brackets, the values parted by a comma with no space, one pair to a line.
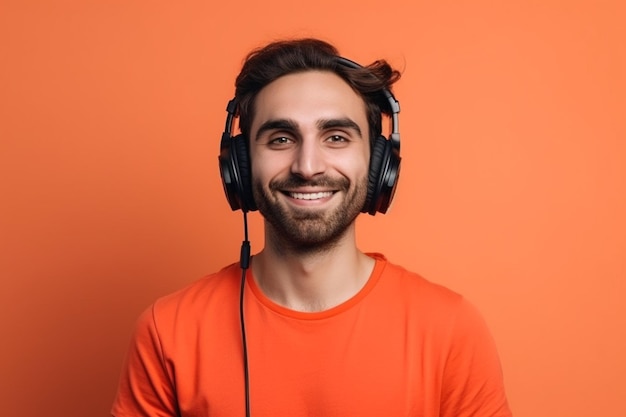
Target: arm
[146,385]
[473,385]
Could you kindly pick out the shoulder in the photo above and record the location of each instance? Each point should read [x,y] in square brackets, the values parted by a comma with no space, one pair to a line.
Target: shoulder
[430,304]
[413,287]
[207,296]
[222,282]
[457,331]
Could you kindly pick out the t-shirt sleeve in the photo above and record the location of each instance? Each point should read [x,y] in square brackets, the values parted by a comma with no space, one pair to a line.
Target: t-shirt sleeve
[146,386]
[473,383]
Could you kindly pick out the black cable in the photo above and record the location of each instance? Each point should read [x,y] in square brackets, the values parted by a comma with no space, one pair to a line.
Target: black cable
[244,263]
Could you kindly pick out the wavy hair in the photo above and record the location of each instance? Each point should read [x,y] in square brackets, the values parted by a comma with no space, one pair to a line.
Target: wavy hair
[266,64]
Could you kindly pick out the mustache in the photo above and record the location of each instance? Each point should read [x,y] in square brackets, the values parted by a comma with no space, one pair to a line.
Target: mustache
[294,181]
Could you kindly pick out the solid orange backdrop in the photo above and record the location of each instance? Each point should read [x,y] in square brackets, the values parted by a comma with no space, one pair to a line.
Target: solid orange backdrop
[513,187]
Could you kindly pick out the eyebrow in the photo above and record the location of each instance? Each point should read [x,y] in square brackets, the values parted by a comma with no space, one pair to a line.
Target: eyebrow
[344,122]
[322,124]
[276,124]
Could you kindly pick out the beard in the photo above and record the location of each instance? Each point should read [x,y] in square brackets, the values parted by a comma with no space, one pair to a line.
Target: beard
[306,230]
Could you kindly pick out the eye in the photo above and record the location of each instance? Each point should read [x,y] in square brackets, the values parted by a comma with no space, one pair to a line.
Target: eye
[280,141]
[337,140]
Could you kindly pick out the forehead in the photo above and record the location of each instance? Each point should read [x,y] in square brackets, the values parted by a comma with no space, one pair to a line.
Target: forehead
[307,97]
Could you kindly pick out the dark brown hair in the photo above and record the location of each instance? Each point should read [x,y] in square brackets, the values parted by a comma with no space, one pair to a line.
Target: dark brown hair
[264,65]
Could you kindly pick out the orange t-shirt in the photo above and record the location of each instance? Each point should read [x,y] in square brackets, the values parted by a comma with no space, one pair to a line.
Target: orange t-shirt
[402,346]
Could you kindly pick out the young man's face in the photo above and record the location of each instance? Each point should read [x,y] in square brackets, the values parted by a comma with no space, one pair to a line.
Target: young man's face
[309,151]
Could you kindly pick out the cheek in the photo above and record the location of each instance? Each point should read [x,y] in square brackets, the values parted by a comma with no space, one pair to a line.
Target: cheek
[257,165]
[355,166]
[264,168]
[263,159]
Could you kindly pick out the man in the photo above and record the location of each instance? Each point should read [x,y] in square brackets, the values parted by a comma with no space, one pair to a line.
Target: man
[316,327]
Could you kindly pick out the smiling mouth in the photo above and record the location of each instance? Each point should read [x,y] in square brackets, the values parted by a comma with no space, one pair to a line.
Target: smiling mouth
[310,196]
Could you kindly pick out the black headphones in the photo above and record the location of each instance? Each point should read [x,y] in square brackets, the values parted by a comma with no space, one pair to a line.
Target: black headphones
[384,167]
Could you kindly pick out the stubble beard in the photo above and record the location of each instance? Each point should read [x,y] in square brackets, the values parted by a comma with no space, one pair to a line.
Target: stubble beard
[305,230]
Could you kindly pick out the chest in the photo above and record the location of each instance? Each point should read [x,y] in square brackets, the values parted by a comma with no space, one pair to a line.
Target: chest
[361,365]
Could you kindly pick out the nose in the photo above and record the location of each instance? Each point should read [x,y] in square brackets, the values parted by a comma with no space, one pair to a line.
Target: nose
[309,159]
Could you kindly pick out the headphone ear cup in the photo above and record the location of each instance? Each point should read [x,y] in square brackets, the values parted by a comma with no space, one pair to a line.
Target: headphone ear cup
[235,172]
[240,148]
[376,162]
[383,176]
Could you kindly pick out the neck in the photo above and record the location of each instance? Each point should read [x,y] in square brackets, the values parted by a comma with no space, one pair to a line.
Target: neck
[314,280]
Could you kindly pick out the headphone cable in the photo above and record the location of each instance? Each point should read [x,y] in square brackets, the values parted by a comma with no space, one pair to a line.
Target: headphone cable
[244,263]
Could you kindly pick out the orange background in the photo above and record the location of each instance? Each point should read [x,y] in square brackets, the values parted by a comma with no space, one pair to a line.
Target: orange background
[513,189]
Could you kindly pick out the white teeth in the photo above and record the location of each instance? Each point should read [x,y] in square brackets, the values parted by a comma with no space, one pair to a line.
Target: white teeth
[311,196]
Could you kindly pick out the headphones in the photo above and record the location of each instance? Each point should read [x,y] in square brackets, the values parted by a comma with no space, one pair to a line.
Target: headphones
[384,169]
